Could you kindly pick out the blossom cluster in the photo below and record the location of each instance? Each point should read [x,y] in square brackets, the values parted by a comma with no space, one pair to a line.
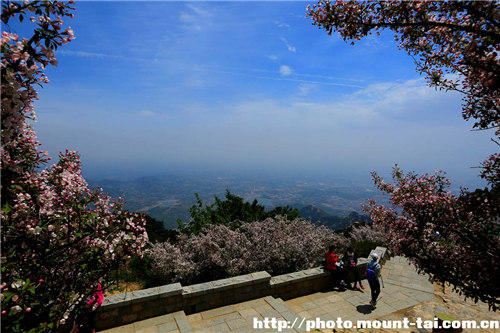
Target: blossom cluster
[372,233]
[58,237]
[275,245]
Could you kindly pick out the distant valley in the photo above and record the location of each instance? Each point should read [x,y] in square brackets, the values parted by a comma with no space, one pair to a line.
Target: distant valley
[335,203]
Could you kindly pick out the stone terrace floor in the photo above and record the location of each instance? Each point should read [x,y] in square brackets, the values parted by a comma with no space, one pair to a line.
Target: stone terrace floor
[406,295]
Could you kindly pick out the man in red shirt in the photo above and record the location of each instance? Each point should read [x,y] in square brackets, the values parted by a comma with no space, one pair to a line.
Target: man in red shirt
[331,266]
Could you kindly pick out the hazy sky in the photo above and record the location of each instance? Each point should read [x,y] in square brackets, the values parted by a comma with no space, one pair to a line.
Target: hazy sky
[157,85]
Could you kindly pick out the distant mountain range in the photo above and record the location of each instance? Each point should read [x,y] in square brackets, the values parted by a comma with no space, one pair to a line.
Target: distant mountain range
[168,198]
[335,222]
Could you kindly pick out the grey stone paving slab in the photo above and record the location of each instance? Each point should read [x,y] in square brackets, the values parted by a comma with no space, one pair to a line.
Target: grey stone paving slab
[278,306]
[321,301]
[167,327]
[355,300]
[198,325]
[221,328]
[233,324]
[153,321]
[399,296]
[308,306]
[250,304]
[250,320]
[271,314]
[291,317]
[243,329]
[403,304]
[263,308]
[316,312]
[305,314]
[327,317]
[218,312]
[231,316]
[150,329]
[296,307]
[427,288]
[388,299]
[334,298]
[248,312]
[411,292]
[214,321]
[182,322]
[331,308]
[424,297]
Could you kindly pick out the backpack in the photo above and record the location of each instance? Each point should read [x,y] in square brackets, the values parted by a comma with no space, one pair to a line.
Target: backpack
[370,272]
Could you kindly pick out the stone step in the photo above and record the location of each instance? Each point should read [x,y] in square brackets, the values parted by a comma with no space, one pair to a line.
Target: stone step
[182,322]
[296,321]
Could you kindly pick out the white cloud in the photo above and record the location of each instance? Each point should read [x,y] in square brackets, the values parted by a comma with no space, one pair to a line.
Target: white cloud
[146,113]
[150,114]
[285,70]
[374,107]
[195,18]
[290,47]
[84,54]
[305,89]
[395,99]
[281,24]
[273,57]
[194,81]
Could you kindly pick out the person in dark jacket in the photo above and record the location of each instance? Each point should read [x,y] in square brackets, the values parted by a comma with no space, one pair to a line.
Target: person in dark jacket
[331,266]
[350,261]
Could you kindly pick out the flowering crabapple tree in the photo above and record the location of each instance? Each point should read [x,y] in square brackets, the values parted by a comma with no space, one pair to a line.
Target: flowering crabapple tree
[374,233]
[453,238]
[58,237]
[455,44]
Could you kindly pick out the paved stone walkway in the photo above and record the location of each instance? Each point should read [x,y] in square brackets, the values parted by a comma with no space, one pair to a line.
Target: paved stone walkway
[404,288]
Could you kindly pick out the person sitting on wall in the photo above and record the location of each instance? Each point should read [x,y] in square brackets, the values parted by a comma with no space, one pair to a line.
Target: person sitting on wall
[332,266]
[350,260]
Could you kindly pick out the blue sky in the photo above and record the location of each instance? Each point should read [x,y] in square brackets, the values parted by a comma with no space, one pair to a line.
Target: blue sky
[245,85]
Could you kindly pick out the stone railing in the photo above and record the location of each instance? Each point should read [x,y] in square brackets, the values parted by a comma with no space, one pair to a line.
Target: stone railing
[138,305]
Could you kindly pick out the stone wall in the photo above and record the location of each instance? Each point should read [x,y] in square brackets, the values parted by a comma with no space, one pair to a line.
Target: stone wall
[138,305]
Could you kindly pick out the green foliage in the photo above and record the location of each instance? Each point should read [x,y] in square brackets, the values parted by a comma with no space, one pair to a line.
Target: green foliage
[231,212]
[157,232]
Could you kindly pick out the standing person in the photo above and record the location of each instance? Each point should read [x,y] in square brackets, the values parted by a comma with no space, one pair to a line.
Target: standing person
[93,304]
[373,275]
[350,260]
[331,266]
